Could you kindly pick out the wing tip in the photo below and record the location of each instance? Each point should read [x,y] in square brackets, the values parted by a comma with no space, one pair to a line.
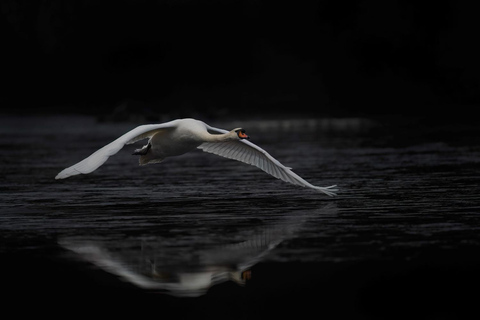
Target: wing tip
[68,172]
[61,175]
[330,191]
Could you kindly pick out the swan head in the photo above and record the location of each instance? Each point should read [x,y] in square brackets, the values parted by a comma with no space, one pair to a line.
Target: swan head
[240,133]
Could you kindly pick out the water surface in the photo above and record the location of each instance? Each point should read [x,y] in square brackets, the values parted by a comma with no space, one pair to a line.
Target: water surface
[202,236]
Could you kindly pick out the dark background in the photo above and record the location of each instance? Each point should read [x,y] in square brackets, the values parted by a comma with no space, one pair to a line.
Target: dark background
[323,58]
[416,62]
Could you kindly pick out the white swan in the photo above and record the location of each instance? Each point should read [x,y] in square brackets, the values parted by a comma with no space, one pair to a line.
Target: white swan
[180,136]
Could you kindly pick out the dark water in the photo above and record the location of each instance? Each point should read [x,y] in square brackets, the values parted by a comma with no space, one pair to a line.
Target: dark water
[199,236]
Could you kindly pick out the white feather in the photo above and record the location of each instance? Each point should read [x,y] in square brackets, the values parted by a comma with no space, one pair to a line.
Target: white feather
[99,157]
[248,152]
[181,136]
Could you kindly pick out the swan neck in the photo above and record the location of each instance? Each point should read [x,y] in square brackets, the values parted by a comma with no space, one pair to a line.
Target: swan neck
[223,137]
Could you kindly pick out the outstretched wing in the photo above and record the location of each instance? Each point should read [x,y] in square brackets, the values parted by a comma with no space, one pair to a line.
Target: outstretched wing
[245,151]
[99,157]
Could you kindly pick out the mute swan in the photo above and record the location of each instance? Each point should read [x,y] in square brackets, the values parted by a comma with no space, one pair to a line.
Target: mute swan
[183,135]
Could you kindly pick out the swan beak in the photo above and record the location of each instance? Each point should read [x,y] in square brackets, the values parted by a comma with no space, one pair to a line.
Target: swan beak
[242,135]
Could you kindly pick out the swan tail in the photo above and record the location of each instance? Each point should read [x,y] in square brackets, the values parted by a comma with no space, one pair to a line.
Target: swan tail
[148,159]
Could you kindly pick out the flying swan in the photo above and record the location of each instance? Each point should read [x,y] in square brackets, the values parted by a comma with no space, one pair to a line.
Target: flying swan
[183,135]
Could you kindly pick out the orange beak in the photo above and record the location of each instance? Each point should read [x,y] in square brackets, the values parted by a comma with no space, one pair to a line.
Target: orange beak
[242,135]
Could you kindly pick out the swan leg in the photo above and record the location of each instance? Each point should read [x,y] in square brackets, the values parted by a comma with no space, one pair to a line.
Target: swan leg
[143,151]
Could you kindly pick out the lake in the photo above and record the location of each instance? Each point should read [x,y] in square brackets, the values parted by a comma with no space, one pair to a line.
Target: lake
[200,236]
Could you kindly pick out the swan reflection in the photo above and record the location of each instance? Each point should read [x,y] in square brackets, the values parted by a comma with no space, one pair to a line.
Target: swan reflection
[185,265]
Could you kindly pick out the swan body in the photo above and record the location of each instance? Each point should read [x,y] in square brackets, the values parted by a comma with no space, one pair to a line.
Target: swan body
[184,135]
